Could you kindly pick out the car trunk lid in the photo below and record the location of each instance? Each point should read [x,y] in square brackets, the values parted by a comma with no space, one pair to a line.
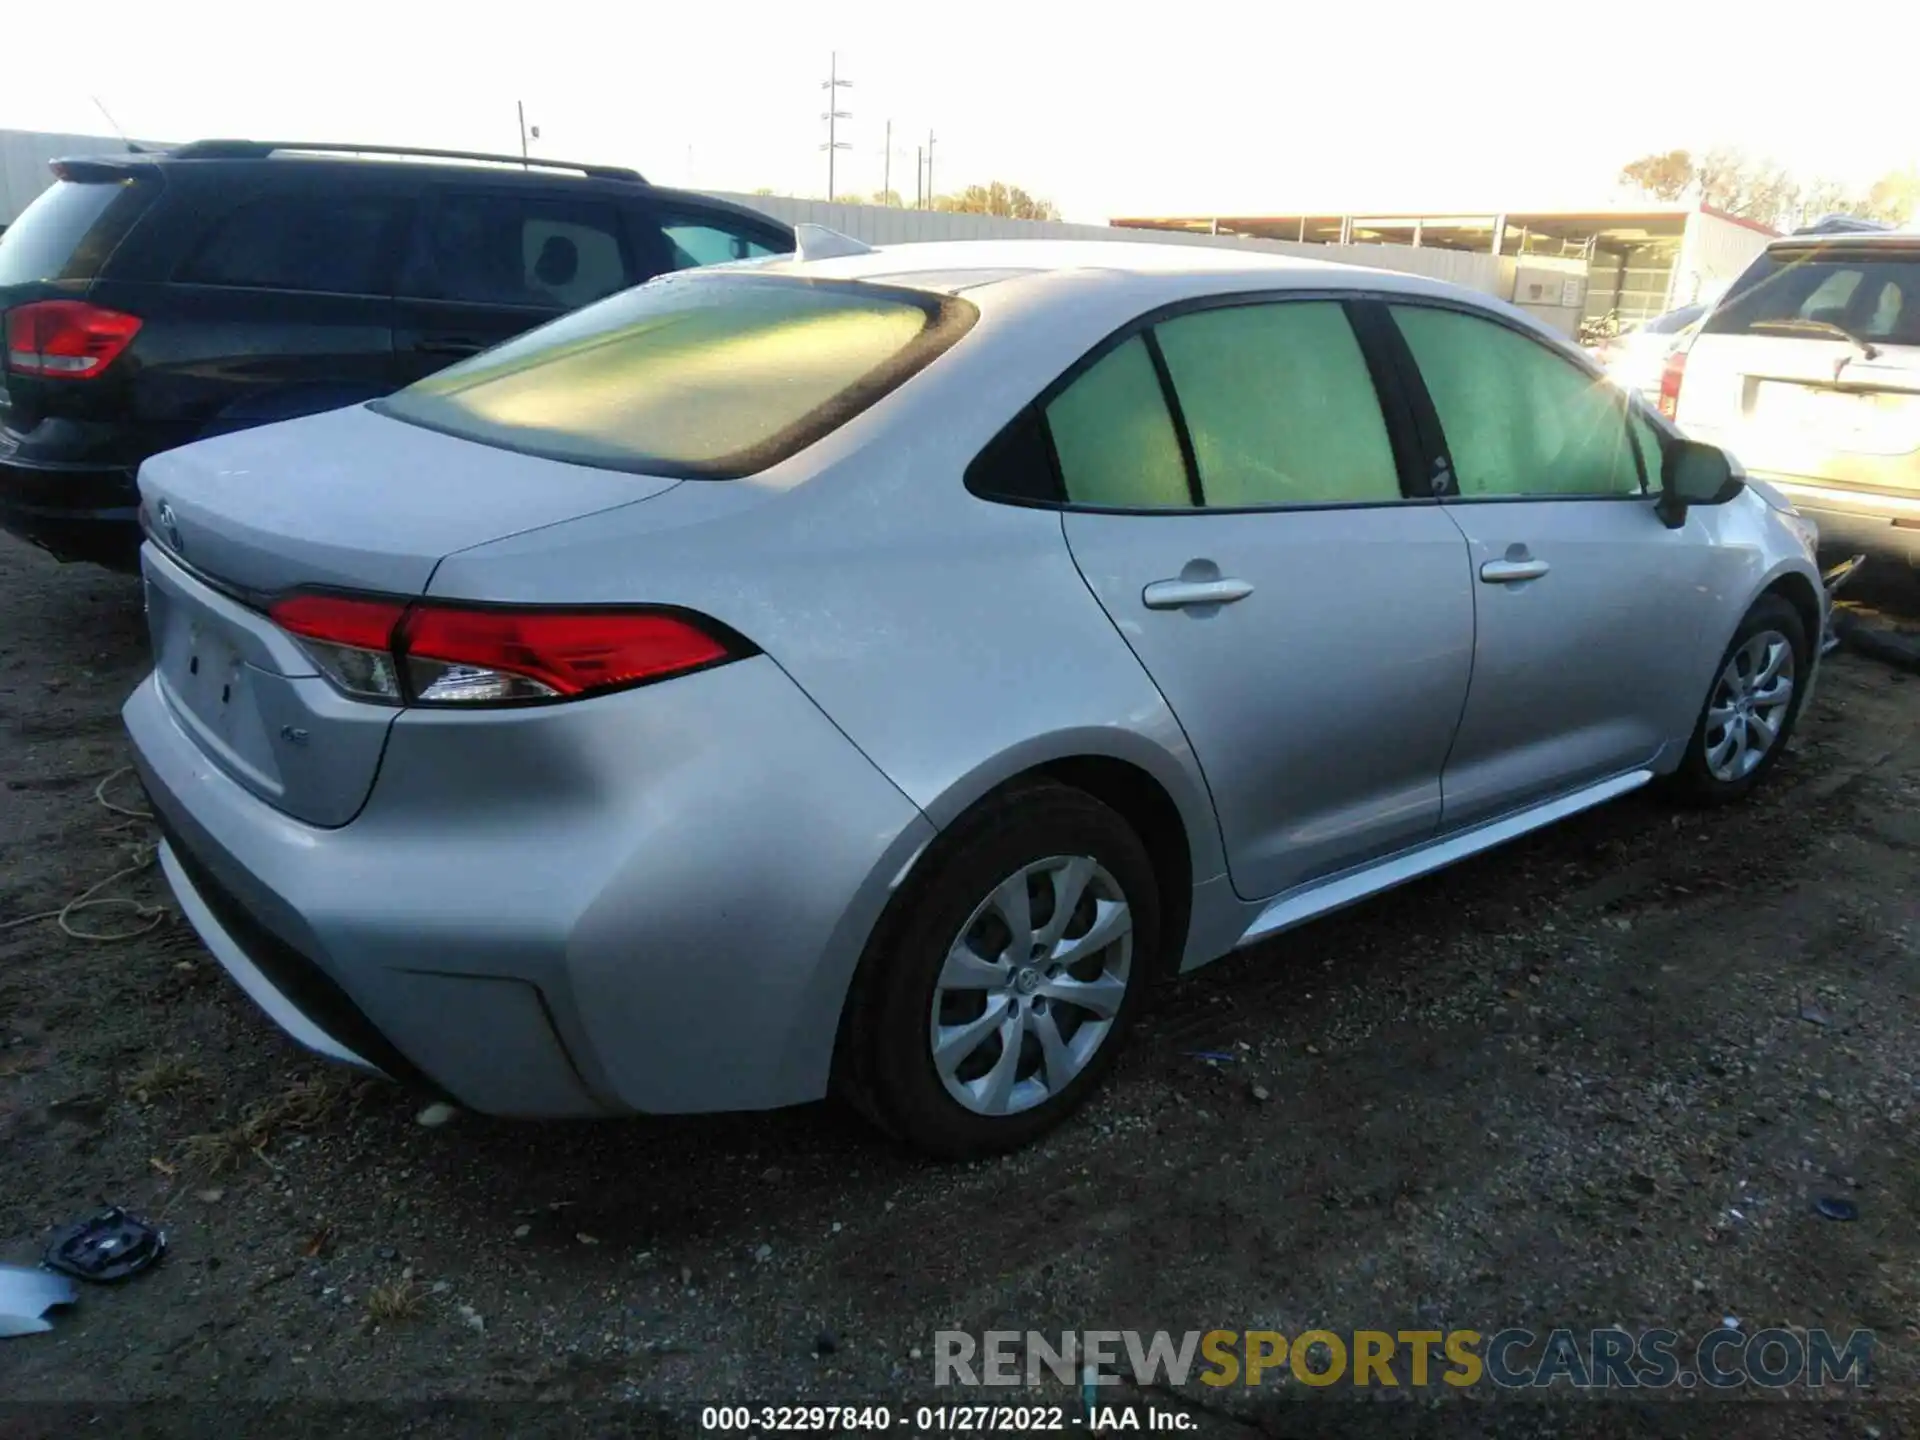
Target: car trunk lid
[343,501]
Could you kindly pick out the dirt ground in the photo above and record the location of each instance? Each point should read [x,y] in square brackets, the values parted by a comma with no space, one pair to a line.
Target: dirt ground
[1597,1077]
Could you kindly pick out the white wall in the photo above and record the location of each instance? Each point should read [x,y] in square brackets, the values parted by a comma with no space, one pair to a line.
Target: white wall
[889,225]
[1713,252]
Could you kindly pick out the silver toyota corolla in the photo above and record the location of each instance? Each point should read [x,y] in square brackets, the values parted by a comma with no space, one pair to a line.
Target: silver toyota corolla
[872,672]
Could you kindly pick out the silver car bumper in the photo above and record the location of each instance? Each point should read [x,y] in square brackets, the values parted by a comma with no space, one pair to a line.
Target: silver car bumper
[649,901]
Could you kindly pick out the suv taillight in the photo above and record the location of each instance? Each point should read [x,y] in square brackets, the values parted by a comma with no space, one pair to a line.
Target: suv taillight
[433,654]
[1671,373]
[66,339]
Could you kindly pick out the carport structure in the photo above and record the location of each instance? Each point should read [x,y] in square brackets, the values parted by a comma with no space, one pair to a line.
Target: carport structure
[1641,260]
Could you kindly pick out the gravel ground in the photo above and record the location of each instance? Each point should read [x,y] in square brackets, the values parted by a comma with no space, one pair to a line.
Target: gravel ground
[1597,1077]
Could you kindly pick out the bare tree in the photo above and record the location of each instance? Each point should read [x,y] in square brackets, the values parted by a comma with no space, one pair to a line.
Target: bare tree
[998,198]
[1664,177]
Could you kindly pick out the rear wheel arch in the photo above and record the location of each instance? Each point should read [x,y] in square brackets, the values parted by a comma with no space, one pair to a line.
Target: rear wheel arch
[1133,793]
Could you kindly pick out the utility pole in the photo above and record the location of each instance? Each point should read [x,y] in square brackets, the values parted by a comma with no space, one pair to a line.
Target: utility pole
[833,114]
[521,107]
[886,167]
[929,169]
[919,164]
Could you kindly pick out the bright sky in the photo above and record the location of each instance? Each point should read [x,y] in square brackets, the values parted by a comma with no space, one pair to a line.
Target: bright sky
[1124,107]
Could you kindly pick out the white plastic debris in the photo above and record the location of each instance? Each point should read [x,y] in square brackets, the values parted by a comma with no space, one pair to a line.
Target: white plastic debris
[26,1296]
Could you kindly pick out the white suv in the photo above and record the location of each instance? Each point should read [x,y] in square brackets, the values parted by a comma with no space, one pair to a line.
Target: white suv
[1809,371]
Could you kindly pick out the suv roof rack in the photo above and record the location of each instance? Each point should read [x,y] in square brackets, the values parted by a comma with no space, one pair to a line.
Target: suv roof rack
[261,149]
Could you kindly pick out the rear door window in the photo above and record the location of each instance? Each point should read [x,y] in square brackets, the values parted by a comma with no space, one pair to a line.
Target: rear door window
[698,238]
[1870,292]
[1114,435]
[494,248]
[70,229]
[336,244]
[1280,406]
[708,376]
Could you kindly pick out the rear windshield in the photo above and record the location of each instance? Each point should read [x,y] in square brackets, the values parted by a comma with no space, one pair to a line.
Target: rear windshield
[66,234]
[1870,293]
[698,376]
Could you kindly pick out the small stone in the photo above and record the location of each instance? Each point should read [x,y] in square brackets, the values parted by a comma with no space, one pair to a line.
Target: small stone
[1814,1015]
[773,1174]
[1313,1049]
[440,1287]
[1699,1287]
[210,1197]
[387,1253]
[763,1253]
[586,1239]
[472,1317]
[1261,1093]
[1822,1093]
[436,1115]
[836,1227]
[520,1232]
[914,1354]
[686,1275]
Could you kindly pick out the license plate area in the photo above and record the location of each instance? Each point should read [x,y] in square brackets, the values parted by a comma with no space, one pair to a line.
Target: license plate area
[1818,417]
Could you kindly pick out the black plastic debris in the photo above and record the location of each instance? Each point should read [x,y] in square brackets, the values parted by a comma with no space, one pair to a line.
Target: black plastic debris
[1835,1208]
[26,1296]
[107,1247]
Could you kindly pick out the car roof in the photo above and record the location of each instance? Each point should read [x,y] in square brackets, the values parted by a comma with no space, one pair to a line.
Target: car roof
[1850,240]
[239,160]
[1142,269]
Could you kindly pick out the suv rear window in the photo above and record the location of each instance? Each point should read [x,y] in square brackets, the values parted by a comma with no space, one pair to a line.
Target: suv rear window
[1871,292]
[709,377]
[67,233]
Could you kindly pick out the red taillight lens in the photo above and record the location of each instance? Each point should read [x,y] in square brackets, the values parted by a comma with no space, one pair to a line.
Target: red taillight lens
[561,652]
[66,339]
[455,655]
[1671,373]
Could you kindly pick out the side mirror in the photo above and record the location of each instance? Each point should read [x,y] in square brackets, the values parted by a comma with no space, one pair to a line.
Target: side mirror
[1695,474]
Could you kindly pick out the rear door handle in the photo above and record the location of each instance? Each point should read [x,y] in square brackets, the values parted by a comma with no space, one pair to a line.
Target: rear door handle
[1508,572]
[1176,594]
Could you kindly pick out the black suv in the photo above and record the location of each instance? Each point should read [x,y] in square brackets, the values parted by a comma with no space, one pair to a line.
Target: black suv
[149,300]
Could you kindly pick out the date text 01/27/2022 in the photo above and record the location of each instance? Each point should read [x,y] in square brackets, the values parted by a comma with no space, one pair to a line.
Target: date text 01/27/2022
[939,1419]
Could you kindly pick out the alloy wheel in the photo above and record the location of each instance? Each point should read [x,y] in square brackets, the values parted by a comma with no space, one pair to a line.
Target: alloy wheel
[1750,704]
[1031,985]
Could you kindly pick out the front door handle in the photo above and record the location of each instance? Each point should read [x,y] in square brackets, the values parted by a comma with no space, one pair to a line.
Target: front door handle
[1509,572]
[1177,594]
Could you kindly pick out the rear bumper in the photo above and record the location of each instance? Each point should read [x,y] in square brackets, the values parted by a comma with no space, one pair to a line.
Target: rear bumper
[75,512]
[1881,525]
[651,901]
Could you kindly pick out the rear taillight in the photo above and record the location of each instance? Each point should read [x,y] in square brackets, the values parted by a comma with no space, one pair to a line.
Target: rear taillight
[1671,372]
[429,654]
[66,339]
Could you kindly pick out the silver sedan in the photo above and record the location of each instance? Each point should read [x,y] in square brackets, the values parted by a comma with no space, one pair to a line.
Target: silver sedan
[870,672]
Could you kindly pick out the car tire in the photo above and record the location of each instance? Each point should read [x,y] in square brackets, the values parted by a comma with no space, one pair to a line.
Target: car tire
[1722,762]
[943,988]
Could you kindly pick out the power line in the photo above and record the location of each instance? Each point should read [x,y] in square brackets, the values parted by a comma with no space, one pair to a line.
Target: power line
[833,115]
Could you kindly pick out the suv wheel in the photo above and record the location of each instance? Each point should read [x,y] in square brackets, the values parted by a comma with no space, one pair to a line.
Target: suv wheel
[995,1001]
